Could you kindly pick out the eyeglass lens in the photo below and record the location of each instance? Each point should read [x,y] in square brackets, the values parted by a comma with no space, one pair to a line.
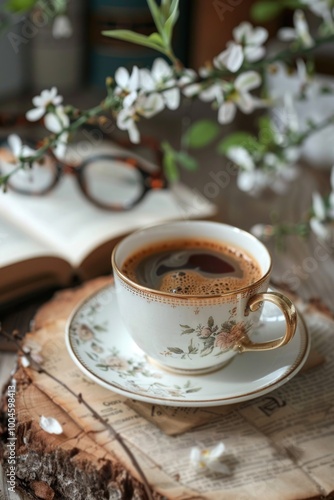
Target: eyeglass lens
[35,178]
[111,181]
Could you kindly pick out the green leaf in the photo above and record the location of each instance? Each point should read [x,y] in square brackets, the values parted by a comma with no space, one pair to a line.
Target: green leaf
[171,21]
[184,326]
[156,14]
[165,8]
[170,167]
[294,4]
[243,139]
[186,161]
[265,11]
[131,36]
[201,133]
[156,38]
[20,5]
[266,132]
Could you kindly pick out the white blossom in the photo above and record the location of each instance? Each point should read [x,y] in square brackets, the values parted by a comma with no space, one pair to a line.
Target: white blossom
[161,79]
[58,123]
[50,425]
[240,97]
[231,58]
[146,106]
[331,196]
[251,39]
[213,92]
[320,229]
[247,45]
[126,120]
[319,207]
[19,150]
[276,172]
[62,27]
[42,102]
[300,32]
[277,178]
[322,8]
[209,459]
[127,84]
[187,76]
[241,157]
[253,181]
[322,221]
[262,231]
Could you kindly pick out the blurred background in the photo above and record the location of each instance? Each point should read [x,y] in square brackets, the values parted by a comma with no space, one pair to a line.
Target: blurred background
[80,59]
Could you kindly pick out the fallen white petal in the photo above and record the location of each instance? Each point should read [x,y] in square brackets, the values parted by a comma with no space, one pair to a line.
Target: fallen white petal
[25,361]
[209,459]
[50,425]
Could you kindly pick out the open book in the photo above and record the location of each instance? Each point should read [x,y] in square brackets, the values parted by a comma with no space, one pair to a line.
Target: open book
[46,241]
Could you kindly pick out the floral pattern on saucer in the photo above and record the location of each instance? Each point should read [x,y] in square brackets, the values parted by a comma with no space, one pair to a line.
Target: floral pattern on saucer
[137,375]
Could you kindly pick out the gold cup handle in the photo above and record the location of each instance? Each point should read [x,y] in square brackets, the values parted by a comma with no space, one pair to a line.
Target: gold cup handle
[290,315]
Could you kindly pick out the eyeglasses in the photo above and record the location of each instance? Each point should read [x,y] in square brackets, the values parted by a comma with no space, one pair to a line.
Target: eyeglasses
[111,182]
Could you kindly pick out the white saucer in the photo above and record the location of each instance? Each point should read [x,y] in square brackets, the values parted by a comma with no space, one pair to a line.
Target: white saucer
[101,347]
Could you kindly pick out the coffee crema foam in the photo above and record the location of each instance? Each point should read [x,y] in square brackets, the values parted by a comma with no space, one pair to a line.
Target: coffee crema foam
[192,267]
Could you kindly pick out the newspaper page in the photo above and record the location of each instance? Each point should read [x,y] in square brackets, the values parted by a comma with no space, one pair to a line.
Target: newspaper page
[278,446]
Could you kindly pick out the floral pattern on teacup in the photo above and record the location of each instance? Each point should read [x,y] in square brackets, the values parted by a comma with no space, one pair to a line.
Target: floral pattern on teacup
[211,338]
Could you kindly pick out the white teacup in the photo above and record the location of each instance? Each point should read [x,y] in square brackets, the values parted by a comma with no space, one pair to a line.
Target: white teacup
[196,333]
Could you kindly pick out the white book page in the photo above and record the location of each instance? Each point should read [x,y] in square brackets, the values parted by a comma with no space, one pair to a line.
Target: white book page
[17,244]
[71,227]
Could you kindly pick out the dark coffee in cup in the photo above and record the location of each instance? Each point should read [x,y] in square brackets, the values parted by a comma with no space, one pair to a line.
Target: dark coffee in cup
[192,267]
